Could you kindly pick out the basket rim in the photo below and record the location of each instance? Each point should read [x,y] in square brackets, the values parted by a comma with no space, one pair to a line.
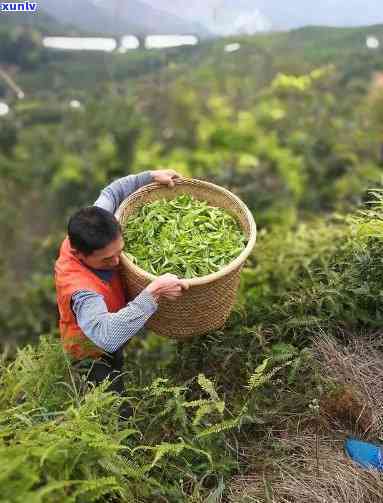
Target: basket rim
[228,268]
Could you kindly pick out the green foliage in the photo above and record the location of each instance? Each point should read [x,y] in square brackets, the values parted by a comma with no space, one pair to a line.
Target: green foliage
[183,236]
[21,46]
[297,136]
[319,276]
[205,407]
[298,139]
[65,441]
[293,285]
[297,147]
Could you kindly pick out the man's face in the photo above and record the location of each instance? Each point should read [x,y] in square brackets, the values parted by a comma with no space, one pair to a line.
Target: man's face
[106,258]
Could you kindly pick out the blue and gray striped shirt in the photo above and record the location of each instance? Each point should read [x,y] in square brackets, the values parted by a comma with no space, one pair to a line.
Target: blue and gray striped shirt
[111,331]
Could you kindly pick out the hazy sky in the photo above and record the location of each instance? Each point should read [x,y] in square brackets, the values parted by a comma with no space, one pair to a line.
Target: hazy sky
[280,13]
[248,16]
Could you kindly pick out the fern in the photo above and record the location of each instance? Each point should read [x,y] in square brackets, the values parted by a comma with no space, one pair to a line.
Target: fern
[159,387]
[218,428]
[259,378]
[202,411]
[161,450]
[95,489]
[282,352]
[123,467]
[196,403]
[166,448]
[205,407]
[208,387]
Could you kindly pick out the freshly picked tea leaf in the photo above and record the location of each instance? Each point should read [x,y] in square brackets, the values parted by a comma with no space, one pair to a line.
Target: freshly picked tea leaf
[183,236]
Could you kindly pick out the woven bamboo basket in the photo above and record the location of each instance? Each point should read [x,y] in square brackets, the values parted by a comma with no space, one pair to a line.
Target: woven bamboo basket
[206,305]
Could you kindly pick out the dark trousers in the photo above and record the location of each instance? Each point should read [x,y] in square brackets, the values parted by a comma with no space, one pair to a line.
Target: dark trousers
[108,366]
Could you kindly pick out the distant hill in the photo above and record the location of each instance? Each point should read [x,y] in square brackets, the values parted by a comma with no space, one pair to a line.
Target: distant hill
[115,17]
[259,58]
[244,16]
[41,21]
[299,13]
[325,44]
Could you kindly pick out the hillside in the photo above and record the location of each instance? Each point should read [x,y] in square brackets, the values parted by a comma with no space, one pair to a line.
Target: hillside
[40,21]
[116,18]
[264,54]
[258,410]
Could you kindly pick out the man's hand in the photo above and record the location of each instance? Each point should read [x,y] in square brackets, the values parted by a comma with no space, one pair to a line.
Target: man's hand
[165,176]
[168,286]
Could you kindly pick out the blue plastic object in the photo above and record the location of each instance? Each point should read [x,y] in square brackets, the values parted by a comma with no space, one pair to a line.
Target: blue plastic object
[365,454]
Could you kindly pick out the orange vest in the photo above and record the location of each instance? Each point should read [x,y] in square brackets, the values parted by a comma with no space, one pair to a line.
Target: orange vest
[71,275]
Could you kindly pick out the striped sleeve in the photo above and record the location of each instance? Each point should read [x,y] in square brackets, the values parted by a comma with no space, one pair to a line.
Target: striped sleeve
[114,194]
[111,331]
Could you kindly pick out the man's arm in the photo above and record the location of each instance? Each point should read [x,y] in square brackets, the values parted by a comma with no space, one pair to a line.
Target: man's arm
[111,331]
[112,196]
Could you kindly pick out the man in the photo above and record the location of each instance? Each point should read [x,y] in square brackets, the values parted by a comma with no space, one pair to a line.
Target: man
[96,321]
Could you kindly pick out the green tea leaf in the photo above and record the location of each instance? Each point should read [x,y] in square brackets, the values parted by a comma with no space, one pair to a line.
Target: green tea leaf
[183,236]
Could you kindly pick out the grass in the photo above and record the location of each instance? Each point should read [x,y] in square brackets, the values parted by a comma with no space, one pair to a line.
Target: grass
[294,477]
[305,462]
[257,411]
